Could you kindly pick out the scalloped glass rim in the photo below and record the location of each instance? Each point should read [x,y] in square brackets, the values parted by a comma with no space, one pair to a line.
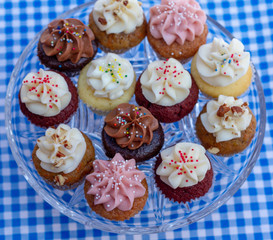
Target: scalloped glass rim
[230,191]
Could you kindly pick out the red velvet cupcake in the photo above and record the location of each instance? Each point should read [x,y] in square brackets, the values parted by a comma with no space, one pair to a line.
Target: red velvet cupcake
[183,172]
[167,90]
[48,98]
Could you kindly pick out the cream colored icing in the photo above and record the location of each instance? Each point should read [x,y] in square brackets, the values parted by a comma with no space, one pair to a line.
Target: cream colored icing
[231,124]
[177,21]
[110,76]
[183,165]
[221,64]
[61,149]
[45,93]
[166,83]
[118,16]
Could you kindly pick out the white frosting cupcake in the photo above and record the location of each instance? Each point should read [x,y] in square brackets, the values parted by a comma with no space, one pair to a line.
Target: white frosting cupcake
[226,118]
[45,93]
[61,149]
[221,64]
[183,165]
[110,76]
[118,16]
[166,83]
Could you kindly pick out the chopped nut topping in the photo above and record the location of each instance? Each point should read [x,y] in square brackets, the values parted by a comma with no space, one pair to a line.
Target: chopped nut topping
[54,137]
[58,163]
[245,104]
[60,154]
[236,109]
[214,150]
[67,145]
[222,110]
[60,180]
[102,21]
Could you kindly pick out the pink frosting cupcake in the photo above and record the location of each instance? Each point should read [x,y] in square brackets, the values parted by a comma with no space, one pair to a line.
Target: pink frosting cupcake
[116,189]
[177,28]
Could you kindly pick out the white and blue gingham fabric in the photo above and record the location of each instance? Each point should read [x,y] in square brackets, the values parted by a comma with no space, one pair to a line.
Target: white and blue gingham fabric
[247,215]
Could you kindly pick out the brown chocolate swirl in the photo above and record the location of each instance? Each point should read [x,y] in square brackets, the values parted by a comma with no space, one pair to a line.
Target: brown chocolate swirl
[130,125]
[67,39]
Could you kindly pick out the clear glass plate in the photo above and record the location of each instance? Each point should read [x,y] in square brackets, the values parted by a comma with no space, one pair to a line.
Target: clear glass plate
[159,214]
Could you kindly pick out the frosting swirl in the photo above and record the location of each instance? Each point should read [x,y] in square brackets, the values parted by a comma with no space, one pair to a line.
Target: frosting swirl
[166,83]
[131,126]
[67,39]
[177,21]
[45,93]
[220,64]
[61,149]
[116,183]
[117,16]
[110,75]
[226,118]
[183,165]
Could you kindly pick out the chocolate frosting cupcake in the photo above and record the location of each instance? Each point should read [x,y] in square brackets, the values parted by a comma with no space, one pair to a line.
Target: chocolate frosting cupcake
[66,45]
[132,131]
[130,126]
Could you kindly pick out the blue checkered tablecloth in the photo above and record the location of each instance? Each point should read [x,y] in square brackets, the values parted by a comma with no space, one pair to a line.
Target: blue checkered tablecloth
[247,215]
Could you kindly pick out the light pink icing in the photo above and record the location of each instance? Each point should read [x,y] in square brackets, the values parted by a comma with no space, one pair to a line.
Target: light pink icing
[177,20]
[116,183]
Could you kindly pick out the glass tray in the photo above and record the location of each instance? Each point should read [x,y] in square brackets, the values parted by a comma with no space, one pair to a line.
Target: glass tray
[159,214]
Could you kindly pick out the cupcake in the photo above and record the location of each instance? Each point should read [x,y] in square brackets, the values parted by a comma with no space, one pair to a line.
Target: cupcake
[177,29]
[48,98]
[116,189]
[167,90]
[132,131]
[226,126]
[63,157]
[220,68]
[107,82]
[183,172]
[67,45]
[118,24]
